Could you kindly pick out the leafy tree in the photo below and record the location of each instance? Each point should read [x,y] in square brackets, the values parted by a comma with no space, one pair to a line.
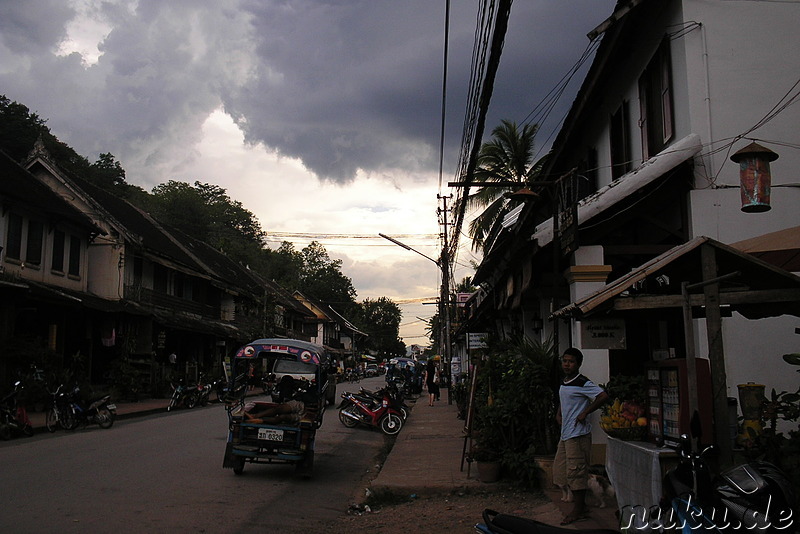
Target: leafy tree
[19,131]
[322,279]
[507,157]
[314,273]
[19,128]
[380,318]
[107,169]
[208,213]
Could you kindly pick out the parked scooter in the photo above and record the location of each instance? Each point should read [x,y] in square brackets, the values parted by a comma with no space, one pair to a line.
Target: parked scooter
[751,496]
[360,409]
[496,523]
[202,391]
[754,496]
[220,389]
[101,411]
[182,395]
[13,415]
[396,397]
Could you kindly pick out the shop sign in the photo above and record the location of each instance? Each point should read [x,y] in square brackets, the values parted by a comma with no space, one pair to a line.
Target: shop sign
[476,340]
[603,334]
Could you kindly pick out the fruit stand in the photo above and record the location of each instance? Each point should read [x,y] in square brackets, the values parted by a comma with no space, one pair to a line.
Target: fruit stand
[635,469]
[634,465]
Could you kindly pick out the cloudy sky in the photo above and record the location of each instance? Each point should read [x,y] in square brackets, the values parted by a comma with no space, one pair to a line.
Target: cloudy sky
[322,117]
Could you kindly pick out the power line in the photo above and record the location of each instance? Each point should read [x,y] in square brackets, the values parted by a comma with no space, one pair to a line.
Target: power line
[309,235]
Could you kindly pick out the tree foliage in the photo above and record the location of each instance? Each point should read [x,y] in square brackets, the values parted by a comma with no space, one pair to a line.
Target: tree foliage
[20,129]
[380,318]
[312,272]
[507,157]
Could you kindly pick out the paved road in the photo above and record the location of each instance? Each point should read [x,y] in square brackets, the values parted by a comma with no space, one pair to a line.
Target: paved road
[163,473]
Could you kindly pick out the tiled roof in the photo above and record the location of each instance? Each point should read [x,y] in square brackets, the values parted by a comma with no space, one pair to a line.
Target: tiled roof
[18,184]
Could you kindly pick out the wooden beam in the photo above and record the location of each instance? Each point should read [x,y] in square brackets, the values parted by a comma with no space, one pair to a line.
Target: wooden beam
[731,298]
[716,356]
[636,250]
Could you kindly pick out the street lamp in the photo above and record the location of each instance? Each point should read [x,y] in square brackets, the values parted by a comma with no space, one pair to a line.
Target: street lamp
[399,244]
[444,307]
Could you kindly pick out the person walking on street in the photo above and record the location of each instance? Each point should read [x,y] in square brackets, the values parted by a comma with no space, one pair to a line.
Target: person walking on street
[578,397]
[432,381]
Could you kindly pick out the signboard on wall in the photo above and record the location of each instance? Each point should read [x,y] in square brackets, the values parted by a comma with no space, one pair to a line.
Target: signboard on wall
[603,334]
[476,340]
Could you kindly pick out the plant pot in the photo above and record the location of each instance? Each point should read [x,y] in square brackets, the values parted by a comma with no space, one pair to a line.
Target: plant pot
[488,471]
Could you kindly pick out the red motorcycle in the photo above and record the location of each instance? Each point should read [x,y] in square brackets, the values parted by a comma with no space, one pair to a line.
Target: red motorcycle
[13,416]
[366,410]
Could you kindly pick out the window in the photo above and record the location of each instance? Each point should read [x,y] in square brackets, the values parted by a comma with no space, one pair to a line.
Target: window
[14,237]
[655,102]
[58,251]
[74,256]
[620,141]
[33,248]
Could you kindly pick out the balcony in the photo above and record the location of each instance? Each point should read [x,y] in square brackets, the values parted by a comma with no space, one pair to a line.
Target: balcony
[148,297]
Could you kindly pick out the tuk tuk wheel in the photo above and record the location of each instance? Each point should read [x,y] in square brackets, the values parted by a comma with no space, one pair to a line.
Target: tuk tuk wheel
[391,424]
[238,467]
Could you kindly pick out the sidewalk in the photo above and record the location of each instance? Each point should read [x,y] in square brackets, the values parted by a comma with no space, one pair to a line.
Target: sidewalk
[425,459]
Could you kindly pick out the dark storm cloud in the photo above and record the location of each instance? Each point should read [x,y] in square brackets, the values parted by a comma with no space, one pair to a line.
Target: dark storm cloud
[341,85]
[33,26]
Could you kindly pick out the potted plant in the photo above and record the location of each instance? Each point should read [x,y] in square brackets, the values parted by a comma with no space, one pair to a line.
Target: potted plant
[515,406]
[486,455]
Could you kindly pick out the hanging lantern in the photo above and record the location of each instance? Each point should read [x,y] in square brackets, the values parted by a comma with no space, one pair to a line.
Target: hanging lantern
[754,176]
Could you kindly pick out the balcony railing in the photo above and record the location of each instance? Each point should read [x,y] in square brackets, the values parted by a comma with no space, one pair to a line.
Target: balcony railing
[154,298]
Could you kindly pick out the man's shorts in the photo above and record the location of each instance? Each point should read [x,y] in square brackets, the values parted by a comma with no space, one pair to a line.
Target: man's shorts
[571,464]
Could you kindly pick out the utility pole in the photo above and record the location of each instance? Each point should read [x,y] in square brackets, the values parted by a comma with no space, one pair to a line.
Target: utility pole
[444,298]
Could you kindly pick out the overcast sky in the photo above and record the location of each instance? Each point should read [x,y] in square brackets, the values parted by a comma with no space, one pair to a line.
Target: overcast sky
[322,117]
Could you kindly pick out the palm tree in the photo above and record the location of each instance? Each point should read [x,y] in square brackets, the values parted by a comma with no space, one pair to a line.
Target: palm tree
[508,157]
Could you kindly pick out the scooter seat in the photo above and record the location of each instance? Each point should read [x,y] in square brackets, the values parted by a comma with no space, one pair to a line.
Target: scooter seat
[498,523]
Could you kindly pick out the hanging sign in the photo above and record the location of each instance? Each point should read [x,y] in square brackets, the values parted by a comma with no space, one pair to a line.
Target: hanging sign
[603,334]
[476,340]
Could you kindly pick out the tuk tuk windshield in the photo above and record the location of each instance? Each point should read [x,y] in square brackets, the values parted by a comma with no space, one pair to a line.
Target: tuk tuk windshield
[294,367]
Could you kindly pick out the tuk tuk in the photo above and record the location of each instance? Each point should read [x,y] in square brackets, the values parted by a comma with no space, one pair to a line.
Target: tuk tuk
[281,428]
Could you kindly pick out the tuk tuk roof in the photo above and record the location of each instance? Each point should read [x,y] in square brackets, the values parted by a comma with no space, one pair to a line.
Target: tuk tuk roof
[303,350]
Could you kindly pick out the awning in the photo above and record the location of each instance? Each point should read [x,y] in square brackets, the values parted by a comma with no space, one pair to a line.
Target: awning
[758,290]
[781,248]
[192,323]
[621,188]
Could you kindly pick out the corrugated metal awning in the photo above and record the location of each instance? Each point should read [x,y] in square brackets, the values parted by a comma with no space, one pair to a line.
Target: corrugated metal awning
[621,188]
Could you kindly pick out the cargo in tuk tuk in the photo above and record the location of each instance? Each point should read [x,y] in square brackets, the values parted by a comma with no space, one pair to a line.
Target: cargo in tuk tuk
[281,428]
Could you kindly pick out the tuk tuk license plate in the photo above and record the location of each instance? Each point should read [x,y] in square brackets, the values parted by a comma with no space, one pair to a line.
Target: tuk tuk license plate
[111,406]
[270,434]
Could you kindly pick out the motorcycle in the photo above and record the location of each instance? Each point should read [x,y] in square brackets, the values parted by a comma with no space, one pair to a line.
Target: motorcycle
[101,411]
[202,391]
[752,496]
[13,415]
[395,395]
[360,409]
[182,395]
